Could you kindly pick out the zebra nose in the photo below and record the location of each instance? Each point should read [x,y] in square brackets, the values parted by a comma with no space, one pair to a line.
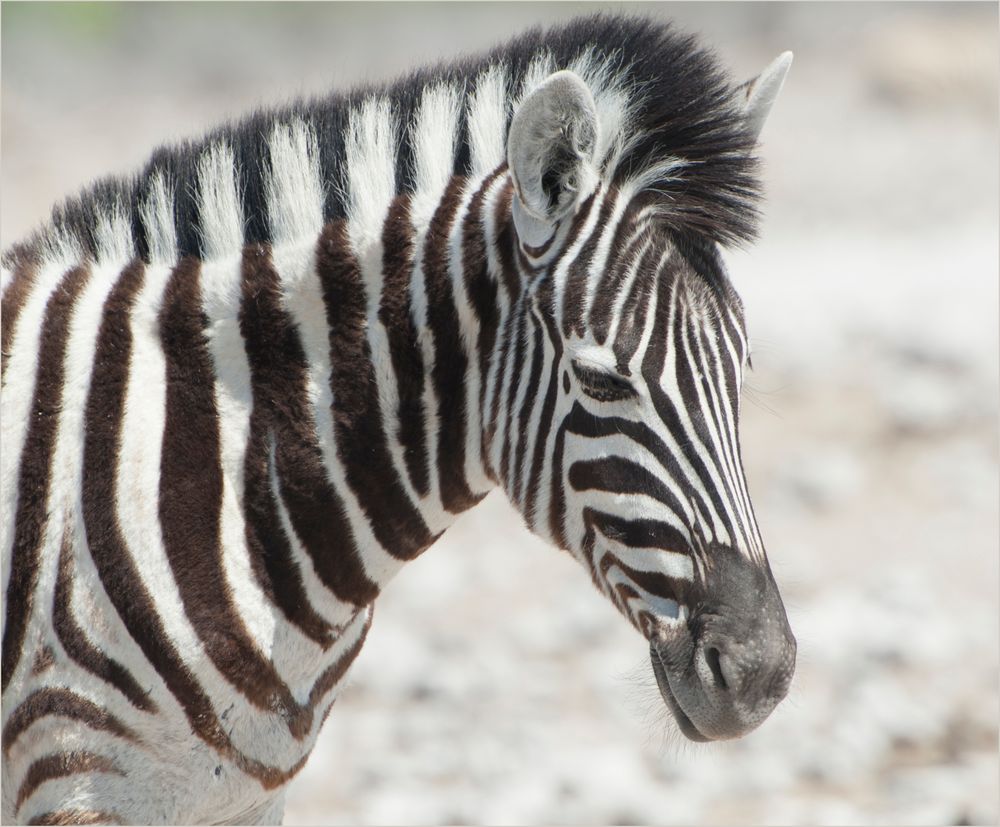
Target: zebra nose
[745,677]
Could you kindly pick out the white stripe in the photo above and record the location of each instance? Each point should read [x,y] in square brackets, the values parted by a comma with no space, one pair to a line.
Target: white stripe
[731,470]
[219,209]
[370,159]
[113,236]
[618,310]
[433,136]
[488,111]
[6,278]
[157,214]
[293,184]
[66,462]
[669,383]
[221,293]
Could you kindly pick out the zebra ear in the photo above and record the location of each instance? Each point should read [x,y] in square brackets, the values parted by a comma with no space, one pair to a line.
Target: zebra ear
[550,153]
[759,94]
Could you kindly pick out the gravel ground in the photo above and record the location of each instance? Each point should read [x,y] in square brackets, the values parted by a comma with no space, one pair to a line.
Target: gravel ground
[497,686]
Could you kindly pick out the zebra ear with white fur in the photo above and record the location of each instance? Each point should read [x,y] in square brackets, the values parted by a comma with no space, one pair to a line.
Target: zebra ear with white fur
[550,154]
[759,94]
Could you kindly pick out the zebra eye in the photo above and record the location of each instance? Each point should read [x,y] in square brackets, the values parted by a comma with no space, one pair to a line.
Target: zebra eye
[603,386]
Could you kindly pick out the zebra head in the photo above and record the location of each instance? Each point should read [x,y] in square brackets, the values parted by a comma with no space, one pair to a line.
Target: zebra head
[647,346]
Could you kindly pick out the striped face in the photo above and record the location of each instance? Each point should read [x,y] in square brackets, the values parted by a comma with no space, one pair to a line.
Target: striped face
[649,349]
[647,469]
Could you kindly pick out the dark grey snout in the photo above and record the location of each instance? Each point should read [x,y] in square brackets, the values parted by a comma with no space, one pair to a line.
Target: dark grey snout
[732,665]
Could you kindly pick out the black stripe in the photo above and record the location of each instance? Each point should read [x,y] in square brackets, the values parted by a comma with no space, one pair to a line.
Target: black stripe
[181,309]
[404,347]
[115,566]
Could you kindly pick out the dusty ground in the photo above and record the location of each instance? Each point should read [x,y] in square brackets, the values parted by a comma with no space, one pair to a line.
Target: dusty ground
[497,686]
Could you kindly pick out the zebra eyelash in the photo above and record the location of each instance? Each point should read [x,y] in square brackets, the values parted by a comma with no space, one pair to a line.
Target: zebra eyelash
[601,385]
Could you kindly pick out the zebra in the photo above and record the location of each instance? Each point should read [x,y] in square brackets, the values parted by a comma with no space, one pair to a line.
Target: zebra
[243,386]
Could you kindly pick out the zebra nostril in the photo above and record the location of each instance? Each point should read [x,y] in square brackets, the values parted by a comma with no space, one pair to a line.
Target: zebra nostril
[712,657]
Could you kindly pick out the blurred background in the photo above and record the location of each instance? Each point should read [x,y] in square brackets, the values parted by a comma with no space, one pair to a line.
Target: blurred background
[497,686]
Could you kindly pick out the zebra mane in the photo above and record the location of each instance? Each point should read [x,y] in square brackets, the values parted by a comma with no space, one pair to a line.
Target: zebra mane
[670,123]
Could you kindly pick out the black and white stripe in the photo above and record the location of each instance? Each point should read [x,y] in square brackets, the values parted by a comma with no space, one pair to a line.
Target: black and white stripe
[243,387]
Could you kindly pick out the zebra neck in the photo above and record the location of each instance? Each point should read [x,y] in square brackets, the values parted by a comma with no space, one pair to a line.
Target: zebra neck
[413,313]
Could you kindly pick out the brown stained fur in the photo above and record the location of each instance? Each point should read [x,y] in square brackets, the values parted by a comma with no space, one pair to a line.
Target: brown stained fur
[31,515]
[65,704]
[450,363]
[361,442]
[404,348]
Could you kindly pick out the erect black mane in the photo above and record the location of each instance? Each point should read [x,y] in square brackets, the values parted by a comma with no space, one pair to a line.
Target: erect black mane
[688,111]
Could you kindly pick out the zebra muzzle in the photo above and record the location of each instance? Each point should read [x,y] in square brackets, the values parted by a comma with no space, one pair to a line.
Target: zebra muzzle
[723,673]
